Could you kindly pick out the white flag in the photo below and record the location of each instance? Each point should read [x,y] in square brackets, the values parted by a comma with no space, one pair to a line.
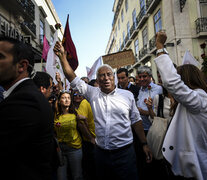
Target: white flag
[189,59]
[88,69]
[53,64]
[92,73]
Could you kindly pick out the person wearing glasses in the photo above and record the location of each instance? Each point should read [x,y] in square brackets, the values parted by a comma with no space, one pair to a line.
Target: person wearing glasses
[115,113]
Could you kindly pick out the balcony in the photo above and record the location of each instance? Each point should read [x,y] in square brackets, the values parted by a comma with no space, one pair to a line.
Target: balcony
[128,40]
[133,31]
[152,44]
[30,27]
[117,11]
[143,52]
[151,5]
[24,8]
[28,7]
[201,26]
[142,17]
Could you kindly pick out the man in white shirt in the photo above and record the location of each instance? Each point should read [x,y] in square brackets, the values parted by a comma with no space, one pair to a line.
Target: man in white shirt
[114,113]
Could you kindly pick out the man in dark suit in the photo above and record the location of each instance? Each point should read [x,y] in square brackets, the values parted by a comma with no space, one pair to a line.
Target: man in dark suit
[26,130]
[123,82]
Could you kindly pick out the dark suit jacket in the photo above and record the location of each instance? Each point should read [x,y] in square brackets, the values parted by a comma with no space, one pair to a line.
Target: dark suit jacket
[134,89]
[26,134]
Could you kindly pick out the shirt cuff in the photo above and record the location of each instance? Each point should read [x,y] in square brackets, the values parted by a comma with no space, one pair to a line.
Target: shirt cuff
[74,82]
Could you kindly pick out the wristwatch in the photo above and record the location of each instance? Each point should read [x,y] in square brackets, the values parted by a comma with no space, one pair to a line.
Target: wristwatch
[161,51]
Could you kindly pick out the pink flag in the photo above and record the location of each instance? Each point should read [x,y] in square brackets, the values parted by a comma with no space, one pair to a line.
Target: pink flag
[45,49]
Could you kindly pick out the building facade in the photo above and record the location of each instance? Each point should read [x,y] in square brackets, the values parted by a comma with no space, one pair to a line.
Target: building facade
[29,21]
[136,22]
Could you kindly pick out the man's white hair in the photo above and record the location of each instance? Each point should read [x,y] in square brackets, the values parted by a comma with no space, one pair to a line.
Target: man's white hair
[105,65]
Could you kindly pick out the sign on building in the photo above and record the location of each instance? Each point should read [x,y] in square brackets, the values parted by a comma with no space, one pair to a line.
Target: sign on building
[119,59]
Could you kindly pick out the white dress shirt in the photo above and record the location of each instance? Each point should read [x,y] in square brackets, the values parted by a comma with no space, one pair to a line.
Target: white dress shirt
[144,94]
[114,113]
[8,92]
[185,144]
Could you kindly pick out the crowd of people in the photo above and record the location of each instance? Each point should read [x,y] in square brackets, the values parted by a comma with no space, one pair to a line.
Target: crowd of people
[97,129]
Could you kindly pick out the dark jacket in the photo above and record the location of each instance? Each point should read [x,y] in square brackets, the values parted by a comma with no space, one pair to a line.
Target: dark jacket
[26,134]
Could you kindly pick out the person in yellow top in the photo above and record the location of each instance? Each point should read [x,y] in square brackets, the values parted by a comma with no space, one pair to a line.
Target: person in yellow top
[87,129]
[65,125]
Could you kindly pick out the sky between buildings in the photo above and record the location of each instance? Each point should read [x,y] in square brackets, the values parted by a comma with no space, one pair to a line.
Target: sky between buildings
[90,23]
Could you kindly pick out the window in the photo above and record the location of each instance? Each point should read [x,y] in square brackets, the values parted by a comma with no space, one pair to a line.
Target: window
[144,37]
[128,29]
[123,38]
[42,30]
[142,4]
[142,7]
[119,24]
[134,18]
[126,5]
[122,15]
[136,47]
[157,21]
[203,6]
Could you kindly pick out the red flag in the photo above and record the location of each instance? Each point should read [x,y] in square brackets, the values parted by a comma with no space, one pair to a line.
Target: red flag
[70,47]
[45,49]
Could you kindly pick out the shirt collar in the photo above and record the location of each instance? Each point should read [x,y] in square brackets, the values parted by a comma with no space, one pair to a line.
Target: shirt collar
[111,93]
[8,92]
[145,89]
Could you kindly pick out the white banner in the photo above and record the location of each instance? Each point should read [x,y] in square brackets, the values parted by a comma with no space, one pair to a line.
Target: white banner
[92,73]
[53,64]
[189,59]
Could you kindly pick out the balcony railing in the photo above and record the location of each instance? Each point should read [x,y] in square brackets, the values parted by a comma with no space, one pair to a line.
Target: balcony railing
[133,31]
[151,5]
[141,18]
[143,52]
[201,25]
[117,11]
[31,26]
[28,7]
[152,43]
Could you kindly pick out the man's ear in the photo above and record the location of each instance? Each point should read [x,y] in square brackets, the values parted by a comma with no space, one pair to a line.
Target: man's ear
[42,89]
[23,65]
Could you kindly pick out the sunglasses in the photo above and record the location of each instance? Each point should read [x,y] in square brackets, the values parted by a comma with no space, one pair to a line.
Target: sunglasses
[65,91]
[77,94]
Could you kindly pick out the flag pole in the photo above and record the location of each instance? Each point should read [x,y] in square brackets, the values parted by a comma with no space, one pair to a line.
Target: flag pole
[65,82]
[41,64]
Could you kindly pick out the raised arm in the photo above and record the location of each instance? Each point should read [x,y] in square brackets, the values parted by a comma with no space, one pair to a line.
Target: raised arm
[62,54]
[190,98]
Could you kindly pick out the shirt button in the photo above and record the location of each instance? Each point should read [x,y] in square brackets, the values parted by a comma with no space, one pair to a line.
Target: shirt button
[171,147]
[163,149]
